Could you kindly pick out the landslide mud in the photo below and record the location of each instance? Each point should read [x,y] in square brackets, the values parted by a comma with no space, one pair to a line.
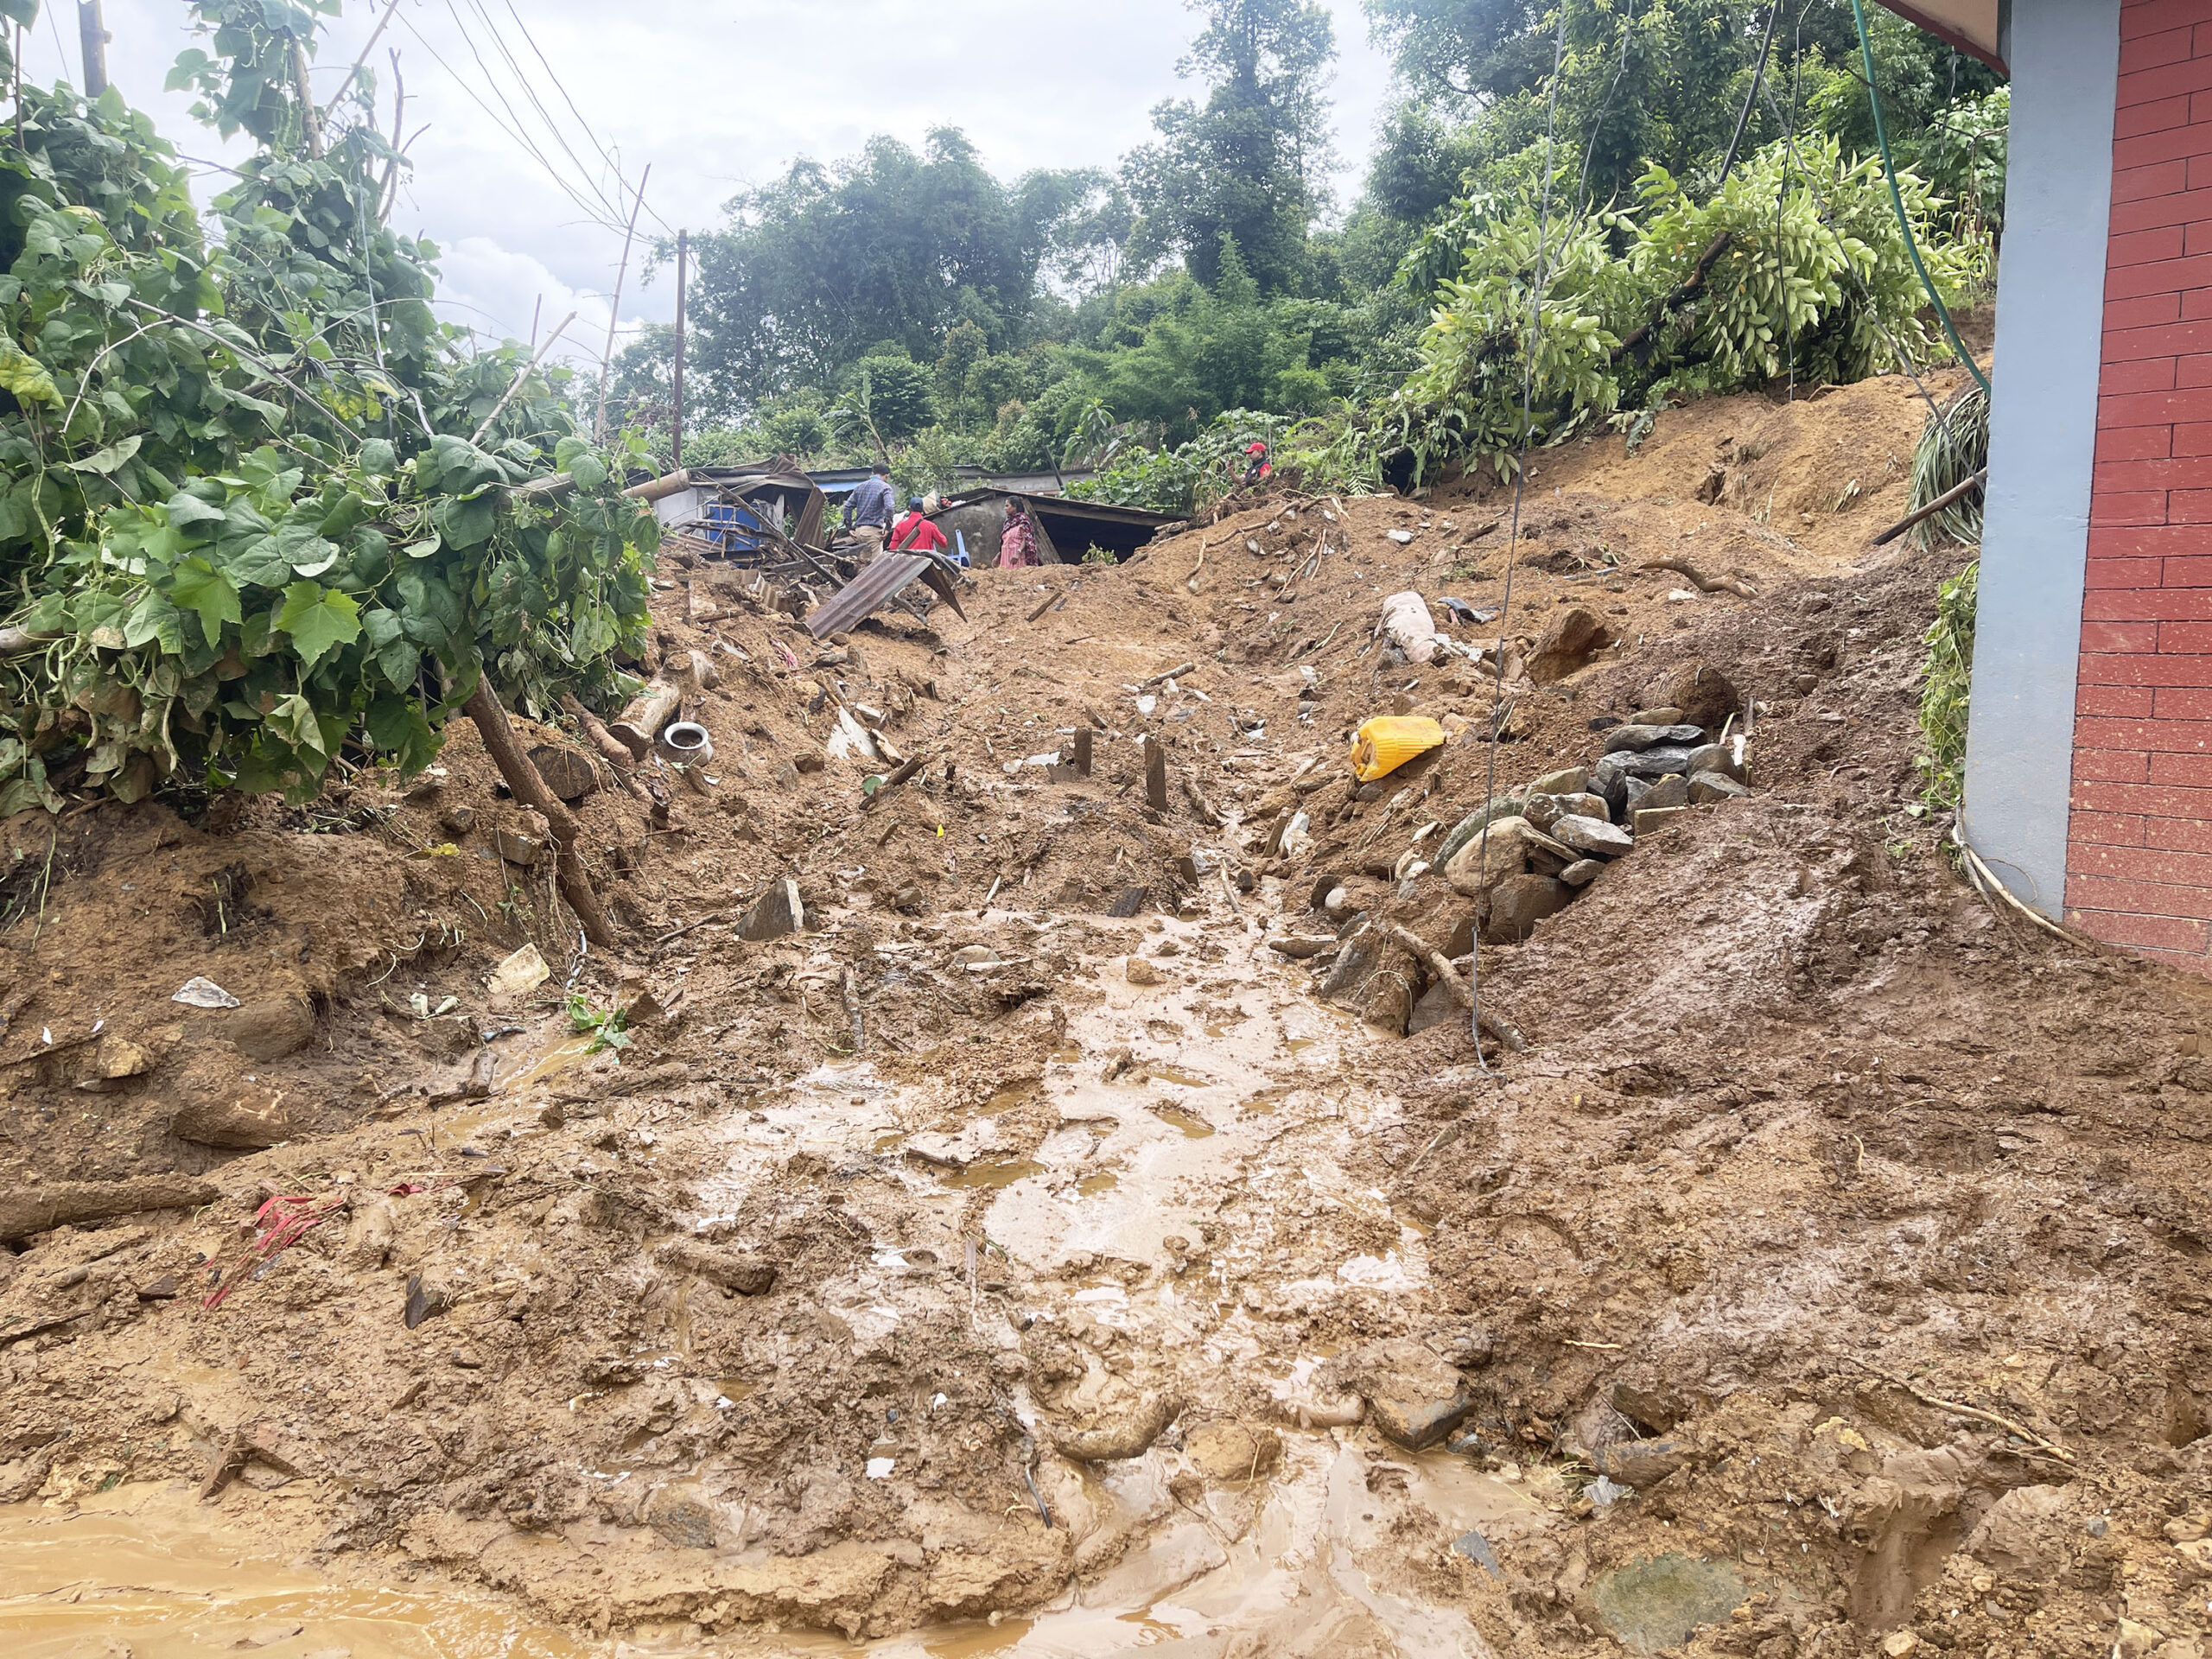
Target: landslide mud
[978,1272]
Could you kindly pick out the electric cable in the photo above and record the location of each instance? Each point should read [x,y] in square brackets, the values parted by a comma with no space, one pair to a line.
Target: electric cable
[1896,199]
[1513,542]
[1743,115]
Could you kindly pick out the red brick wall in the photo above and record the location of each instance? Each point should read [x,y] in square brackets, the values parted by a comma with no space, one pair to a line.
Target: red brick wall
[2140,840]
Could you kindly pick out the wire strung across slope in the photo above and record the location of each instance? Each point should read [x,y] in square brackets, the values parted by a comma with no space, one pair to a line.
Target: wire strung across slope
[1520,484]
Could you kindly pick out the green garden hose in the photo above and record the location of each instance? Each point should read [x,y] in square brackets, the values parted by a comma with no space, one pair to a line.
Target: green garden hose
[1896,199]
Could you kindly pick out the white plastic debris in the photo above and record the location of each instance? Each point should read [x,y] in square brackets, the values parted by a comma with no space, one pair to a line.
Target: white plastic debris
[880,1468]
[520,974]
[1146,704]
[1401,536]
[200,992]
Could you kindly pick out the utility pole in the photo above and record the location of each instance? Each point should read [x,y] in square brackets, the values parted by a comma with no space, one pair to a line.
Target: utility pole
[682,264]
[92,35]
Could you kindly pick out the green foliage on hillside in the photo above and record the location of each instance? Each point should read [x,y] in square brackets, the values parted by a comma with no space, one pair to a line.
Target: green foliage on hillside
[258,509]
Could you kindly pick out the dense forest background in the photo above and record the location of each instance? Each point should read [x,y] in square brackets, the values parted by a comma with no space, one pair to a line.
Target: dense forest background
[1206,288]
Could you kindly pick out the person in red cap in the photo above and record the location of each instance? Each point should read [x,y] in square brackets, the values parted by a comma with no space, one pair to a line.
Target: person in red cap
[1258,467]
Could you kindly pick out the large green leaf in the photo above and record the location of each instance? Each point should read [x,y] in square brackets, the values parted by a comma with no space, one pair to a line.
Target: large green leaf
[319,618]
[199,586]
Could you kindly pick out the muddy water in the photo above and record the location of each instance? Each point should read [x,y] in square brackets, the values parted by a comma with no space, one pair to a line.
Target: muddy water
[138,1567]
[1186,1208]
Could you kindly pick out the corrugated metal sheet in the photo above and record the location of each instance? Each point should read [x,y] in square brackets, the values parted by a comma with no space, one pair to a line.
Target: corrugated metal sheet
[879,582]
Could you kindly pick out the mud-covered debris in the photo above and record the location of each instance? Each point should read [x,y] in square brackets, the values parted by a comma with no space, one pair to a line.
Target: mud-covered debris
[162,1289]
[1414,1396]
[200,992]
[1570,641]
[268,1635]
[731,1270]
[425,1302]
[777,914]
[1297,946]
[1129,1434]
[1475,1547]
[237,1124]
[1642,1464]
[1703,694]
[1138,971]
[1545,810]
[1233,1451]
[26,1209]
[521,850]
[272,1029]
[1519,902]
[1623,739]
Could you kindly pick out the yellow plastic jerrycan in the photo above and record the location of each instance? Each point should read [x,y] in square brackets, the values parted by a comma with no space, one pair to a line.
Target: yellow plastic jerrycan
[1387,742]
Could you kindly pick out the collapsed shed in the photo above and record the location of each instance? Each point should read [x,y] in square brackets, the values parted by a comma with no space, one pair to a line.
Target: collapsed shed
[1066,530]
[743,513]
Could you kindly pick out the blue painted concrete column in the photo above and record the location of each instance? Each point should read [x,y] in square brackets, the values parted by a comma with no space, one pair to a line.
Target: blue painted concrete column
[2064,56]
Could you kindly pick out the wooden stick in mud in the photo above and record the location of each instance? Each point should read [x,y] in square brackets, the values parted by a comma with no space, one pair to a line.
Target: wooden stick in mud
[1957,491]
[2050,1448]
[37,1208]
[1448,976]
[529,789]
[612,749]
[639,725]
[1702,583]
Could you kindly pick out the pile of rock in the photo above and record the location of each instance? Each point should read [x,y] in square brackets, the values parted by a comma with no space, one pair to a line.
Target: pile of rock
[1526,855]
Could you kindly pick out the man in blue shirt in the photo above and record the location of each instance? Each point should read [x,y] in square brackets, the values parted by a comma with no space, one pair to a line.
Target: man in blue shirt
[868,515]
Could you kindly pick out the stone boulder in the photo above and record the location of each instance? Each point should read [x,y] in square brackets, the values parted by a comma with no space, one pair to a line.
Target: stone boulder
[1519,902]
[1570,641]
[1705,695]
[1484,861]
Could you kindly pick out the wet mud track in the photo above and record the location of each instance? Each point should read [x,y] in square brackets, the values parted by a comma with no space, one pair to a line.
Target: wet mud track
[974,1271]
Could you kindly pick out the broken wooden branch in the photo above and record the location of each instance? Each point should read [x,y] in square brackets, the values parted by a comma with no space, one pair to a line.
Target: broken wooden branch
[2050,1448]
[523,780]
[1704,583]
[25,1210]
[639,725]
[1638,341]
[1957,491]
[1171,674]
[1448,976]
[1042,606]
[612,749]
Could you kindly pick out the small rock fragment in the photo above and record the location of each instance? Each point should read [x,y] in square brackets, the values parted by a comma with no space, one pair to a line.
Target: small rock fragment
[1582,873]
[1708,787]
[1593,836]
[778,914]
[1138,971]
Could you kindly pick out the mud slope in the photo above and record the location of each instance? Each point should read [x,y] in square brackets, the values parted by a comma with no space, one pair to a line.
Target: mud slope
[976,1270]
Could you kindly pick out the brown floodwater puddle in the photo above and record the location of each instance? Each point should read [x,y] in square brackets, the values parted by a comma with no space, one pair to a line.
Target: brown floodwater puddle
[1091,1185]
[993,1173]
[1177,1074]
[138,1567]
[1193,1126]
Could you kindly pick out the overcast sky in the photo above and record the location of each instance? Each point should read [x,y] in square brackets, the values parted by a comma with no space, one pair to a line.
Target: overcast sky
[715,95]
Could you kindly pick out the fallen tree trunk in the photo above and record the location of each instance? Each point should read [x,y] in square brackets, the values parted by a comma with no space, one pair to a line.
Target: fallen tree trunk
[60,1204]
[529,789]
[1448,976]
[612,749]
[639,724]
[1704,583]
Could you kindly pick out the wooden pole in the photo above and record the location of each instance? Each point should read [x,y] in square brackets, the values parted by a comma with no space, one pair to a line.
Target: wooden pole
[92,36]
[683,270]
[615,311]
[529,788]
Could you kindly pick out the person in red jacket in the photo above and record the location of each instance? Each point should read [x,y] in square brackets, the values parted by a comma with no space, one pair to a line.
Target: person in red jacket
[916,532]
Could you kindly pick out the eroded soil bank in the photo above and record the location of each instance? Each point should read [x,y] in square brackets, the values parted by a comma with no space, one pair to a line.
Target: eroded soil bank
[976,1270]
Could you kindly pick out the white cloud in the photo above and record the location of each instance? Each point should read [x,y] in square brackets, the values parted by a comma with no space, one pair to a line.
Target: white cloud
[498,291]
[715,96]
